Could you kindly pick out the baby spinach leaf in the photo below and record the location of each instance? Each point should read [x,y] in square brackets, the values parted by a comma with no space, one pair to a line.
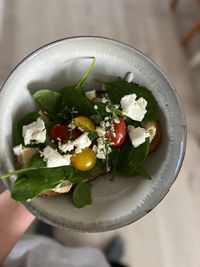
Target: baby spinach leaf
[66,89]
[96,118]
[101,109]
[48,100]
[17,131]
[33,182]
[74,99]
[36,162]
[113,160]
[48,142]
[64,115]
[74,96]
[118,89]
[93,136]
[79,86]
[82,195]
[130,158]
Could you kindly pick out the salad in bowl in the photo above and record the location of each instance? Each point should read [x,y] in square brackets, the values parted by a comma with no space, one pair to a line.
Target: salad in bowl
[92,134]
[77,136]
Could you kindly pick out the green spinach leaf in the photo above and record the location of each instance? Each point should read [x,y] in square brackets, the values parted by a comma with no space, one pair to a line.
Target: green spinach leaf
[82,195]
[74,99]
[130,159]
[74,96]
[79,86]
[48,100]
[33,182]
[36,162]
[118,89]
[17,131]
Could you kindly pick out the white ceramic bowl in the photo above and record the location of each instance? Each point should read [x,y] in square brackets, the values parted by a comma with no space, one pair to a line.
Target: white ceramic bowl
[124,200]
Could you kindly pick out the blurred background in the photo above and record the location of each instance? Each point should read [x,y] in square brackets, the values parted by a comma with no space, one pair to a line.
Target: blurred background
[169,32]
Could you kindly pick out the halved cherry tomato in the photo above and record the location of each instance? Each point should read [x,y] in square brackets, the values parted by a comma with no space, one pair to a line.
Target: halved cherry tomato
[85,123]
[85,160]
[61,132]
[119,133]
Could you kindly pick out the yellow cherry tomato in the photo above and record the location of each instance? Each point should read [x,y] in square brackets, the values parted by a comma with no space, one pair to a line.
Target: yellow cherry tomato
[84,161]
[85,123]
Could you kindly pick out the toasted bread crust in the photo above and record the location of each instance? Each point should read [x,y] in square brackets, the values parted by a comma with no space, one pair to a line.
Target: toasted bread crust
[50,193]
[157,139]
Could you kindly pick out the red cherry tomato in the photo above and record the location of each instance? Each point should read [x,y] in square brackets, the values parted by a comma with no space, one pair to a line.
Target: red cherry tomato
[62,133]
[120,133]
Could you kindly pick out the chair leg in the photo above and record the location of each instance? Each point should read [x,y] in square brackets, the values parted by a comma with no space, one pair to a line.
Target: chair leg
[173,4]
[189,35]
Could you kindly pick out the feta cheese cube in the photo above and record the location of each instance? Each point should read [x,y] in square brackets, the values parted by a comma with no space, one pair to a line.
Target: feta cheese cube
[129,77]
[34,131]
[137,135]
[55,159]
[91,94]
[83,141]
[132,108]
[68,146]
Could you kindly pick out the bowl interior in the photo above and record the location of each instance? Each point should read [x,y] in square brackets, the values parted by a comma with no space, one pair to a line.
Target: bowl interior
[124,200]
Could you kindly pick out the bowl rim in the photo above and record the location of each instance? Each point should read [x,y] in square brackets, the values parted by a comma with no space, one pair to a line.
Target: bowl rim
[114,225]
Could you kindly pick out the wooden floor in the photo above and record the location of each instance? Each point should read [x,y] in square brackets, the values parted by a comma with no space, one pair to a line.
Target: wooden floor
[170,235]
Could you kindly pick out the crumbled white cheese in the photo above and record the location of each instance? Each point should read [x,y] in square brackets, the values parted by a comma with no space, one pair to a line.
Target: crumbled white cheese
[137,135]
[68,146]
[108,110]
[18,150]
[101,154]
[116,106]
[129,77]
[83,141]
[95,107]
[150,127]
[100,131]
[104,100]
[55,159]
[71,125]
[103,145]
[91,94]
[34,131]
[132,108]
[63,187]
[116,119]
[101,149]
[24,154]
[108,124]
[106,118]
[94,148]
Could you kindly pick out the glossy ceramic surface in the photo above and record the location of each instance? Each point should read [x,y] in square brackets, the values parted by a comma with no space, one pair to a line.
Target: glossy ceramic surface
[124,200]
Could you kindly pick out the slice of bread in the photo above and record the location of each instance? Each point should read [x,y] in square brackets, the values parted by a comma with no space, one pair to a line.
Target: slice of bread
[157,139]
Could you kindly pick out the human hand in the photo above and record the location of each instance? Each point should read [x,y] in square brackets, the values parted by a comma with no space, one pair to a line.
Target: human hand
[15,219]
